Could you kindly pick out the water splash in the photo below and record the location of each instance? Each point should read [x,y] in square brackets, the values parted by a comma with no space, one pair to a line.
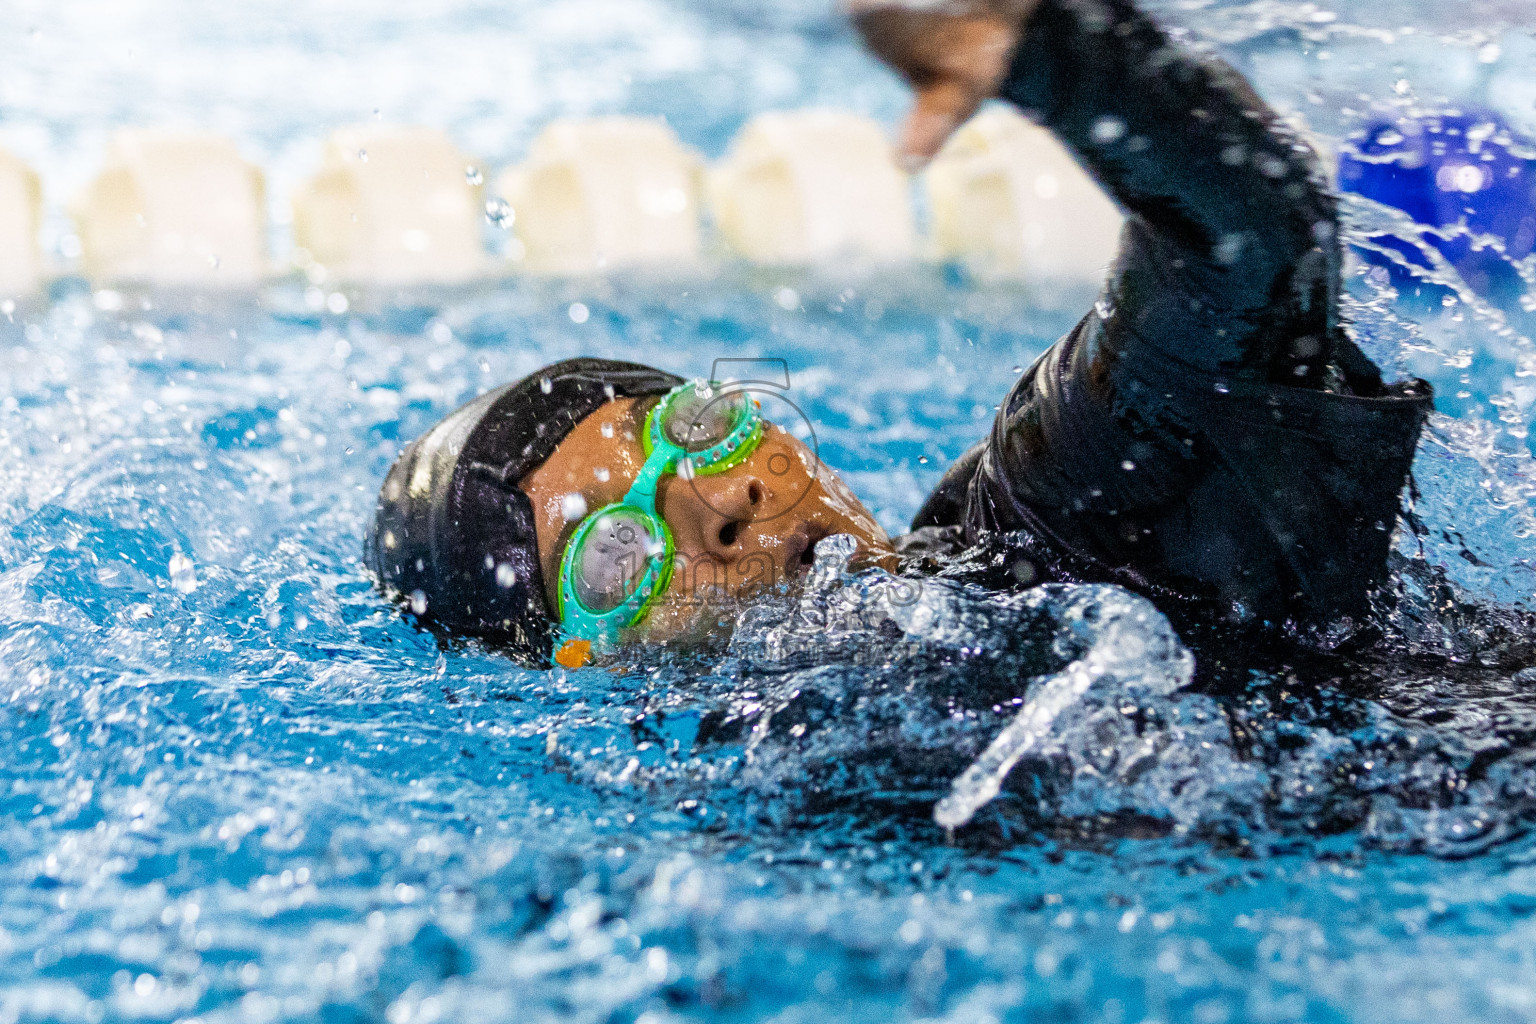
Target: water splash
[268,796]
[1121,659]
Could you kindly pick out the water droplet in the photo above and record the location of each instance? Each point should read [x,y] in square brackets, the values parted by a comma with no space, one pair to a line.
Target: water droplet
[473,176]
[506,576]
[499,212]
[1108,130]
[362,155]
[787,299]
[922,460]
[579,313]
[1230,248]
[573,507]
[1128,466]
[607,429]
[1270,165]
[546,385]
[1221,388]
[183,573]
[685,469]
[418,601]
[602,474]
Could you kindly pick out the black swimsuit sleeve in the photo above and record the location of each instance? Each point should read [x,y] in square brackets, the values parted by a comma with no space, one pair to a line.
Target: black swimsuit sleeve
[1207,429]
[1230,261]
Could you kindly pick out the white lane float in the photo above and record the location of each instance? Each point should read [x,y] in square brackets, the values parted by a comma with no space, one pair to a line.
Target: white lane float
[21,197]
[605,194]
[1009,201]
[174,209]
[392,205]
[813,187]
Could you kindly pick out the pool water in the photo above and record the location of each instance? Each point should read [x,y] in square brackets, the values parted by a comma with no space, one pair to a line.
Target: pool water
[239,787]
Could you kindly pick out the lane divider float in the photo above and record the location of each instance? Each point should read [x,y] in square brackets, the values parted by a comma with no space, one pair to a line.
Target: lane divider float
[604,194]
[174,210]
[21,203]
[392,205]
[399,205]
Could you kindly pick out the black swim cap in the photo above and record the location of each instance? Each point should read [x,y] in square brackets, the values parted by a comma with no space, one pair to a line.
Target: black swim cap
[453,536]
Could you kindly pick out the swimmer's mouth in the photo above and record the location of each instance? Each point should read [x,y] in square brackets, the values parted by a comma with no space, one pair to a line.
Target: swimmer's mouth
[800,551]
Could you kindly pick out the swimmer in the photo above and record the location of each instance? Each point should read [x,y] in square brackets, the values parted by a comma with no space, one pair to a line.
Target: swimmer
[1208,433]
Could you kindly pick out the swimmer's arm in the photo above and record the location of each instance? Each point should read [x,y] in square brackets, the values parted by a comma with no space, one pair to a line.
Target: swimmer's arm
[1220,195]
[1223,203]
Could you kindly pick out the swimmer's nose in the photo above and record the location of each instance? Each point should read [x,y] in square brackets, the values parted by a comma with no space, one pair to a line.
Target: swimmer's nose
[711,512]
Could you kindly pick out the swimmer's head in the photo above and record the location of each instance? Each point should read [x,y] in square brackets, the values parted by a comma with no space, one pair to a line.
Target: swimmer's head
[475,518]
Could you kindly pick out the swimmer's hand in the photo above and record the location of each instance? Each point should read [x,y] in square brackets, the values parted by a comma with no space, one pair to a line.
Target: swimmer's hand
[955,55]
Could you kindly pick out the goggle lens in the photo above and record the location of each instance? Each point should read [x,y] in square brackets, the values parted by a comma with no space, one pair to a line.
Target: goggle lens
[612,560]
[700,417]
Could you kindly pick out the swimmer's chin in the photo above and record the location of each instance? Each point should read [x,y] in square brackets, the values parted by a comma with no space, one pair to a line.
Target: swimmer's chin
[708,620]
[704,624]
[684,627]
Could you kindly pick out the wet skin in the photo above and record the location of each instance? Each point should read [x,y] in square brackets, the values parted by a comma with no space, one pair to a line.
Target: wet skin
[738,533]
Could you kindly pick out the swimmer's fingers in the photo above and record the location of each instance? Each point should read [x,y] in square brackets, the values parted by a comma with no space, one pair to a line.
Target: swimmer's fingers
[936,112]
[954,62]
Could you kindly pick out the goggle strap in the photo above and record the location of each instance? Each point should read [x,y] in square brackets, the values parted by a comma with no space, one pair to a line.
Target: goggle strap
[661,457]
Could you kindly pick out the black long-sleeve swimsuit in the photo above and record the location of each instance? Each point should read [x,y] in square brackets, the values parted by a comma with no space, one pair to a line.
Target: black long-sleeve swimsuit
[1208,430]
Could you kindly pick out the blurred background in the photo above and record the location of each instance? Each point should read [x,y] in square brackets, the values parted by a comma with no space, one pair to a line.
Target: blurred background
[278,78]
[239,786]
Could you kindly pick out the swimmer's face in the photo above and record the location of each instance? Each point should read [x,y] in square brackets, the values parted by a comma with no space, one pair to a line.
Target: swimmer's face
[738,533]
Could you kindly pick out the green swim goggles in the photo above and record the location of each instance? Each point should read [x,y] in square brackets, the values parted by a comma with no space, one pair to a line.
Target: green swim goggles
[619,561]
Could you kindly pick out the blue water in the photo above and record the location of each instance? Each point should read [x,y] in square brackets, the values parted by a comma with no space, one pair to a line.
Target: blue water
[239,788]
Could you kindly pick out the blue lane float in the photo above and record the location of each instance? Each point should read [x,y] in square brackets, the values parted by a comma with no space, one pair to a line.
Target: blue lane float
[1468,178]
